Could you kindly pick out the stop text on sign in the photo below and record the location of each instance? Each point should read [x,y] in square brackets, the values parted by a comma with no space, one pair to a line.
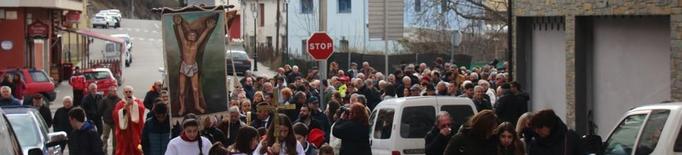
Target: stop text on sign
[319,46]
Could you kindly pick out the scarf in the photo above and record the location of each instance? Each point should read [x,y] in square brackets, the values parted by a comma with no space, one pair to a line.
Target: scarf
[185,138]
[123,118]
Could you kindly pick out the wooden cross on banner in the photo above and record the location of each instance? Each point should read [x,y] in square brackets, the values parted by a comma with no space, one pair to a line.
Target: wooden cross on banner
[275,107]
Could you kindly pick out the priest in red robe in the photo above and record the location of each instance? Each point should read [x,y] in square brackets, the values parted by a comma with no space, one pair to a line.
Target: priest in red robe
[128,122]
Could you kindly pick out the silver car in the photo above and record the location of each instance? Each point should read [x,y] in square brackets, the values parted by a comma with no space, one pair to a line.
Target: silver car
[32,132]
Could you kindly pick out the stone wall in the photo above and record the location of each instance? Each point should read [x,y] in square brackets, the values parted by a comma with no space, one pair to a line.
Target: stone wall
[569,9]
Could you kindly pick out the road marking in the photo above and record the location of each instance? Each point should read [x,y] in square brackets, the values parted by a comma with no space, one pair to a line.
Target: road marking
[156,25]
[141,39]
[137,30]
[131,38]
[146,31]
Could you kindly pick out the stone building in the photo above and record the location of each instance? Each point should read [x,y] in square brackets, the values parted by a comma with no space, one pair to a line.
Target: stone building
[592,60]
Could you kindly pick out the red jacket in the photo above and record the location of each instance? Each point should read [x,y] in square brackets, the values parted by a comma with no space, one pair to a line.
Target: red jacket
[78,82]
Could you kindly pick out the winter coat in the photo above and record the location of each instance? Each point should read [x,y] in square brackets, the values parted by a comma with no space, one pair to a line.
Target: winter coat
[214,135]
[85,141]
[61,120]
[155,136]
[149,98]
[90,104]
[465,143]
[354,137]
[106,108]
[508,109]
[9,101]
[483,104]
[561,141]
[436,142]
[46,114]
[230,130]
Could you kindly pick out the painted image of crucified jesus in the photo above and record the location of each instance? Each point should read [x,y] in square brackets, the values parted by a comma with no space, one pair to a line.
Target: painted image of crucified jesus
[191,41]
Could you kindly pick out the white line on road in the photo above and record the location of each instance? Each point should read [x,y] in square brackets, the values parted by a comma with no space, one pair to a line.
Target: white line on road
[137,30]
[156,25]
[141,39]
[146,31]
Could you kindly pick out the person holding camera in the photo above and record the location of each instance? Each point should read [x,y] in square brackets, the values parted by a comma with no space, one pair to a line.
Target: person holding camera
[128,122]
[353,130]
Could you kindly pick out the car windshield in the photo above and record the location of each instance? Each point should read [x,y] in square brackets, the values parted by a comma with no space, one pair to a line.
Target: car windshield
[96,75]
[26,130]
[39,76]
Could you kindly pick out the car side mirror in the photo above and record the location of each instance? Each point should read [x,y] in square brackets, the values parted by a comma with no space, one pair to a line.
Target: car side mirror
[56,138]
[592,144]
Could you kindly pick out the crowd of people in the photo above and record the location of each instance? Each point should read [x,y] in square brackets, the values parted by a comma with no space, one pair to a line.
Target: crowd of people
[502,124]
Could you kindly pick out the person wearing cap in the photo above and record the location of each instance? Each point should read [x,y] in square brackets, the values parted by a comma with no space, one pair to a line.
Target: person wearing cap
[156,132]
[189,142]
[128,122]
[353,71]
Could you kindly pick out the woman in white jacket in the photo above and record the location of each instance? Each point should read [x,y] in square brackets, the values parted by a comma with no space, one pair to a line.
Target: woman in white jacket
[189,142]
[287,144]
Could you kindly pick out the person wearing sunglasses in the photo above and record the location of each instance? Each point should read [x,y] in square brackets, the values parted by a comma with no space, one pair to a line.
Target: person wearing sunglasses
[438,137]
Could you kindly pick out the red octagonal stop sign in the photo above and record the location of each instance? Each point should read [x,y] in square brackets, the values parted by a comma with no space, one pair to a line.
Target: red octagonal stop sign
[320,46]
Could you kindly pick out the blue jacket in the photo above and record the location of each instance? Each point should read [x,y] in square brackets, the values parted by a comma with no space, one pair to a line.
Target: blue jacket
[85,141]
[9,101]
[155,136]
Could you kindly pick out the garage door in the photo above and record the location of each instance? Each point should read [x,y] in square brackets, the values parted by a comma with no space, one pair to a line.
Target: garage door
[548,88]
[631,65]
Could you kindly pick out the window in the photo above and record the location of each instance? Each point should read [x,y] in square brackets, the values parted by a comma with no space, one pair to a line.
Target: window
[417,121]
[417,6]
[304,46]
[39,76]
[623,137]
[306,6]
[384,124]
[269,38]
[344,6]
[101,75]
[25,129]
[652,132]
[261,7]
[458,113]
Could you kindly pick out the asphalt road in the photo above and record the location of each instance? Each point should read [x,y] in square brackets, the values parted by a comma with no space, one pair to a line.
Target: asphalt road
[147,53]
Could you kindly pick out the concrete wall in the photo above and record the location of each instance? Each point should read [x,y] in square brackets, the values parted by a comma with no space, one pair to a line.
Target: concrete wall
[270,14]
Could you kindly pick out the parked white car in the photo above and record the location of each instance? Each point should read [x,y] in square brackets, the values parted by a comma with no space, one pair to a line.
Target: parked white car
[113,13]
[399,125]
[102,21]
[651,129]
[129,48]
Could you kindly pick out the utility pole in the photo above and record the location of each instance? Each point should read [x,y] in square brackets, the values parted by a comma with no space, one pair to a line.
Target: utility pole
[254,12]
[132,9]
[323,64]
[277,36]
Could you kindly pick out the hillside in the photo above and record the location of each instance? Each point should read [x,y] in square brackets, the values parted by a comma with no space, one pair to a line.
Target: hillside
[142,7]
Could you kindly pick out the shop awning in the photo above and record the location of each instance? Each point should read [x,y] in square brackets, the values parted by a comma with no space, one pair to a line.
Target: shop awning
[90,33]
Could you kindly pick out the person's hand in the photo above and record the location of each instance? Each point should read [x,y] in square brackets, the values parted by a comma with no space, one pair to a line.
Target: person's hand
[177,19]
[274,149]
[211,23]
[445,131]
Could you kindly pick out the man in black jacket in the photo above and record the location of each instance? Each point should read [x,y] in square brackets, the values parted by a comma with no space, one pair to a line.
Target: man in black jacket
[38,103]
[152,95]
[230,126]
[106,108]
[552,136]
[438,137]
[84,139]
[90,104]
[508,108]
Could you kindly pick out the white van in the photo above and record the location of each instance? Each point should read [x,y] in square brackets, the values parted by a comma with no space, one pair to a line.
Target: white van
[399,125]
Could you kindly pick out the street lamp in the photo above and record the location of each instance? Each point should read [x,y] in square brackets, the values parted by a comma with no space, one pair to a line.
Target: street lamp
[255,36]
